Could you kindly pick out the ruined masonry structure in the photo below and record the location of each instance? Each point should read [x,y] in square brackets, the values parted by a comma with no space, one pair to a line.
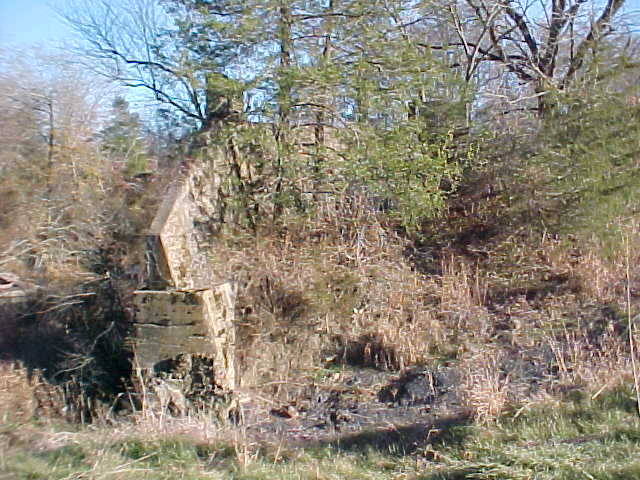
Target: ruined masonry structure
[186,314]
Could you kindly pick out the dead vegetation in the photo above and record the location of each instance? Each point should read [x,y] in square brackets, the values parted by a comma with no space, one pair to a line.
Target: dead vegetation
[344,323]
[500,318]
[522,313]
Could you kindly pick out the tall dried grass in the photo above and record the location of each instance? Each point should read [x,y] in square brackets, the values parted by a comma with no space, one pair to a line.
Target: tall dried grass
[533,316]
[25,395]
[336,287]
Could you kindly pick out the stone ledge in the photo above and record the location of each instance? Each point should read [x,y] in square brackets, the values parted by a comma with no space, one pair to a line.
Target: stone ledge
[171,323]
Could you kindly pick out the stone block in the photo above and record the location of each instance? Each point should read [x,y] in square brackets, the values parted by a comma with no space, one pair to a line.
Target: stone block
[171,323]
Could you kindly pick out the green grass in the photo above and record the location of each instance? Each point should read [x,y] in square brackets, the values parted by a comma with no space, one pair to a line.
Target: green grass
[591,439]
[585,438]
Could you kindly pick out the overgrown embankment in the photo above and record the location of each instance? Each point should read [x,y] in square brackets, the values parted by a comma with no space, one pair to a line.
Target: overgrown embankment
[520,335]
[495,343]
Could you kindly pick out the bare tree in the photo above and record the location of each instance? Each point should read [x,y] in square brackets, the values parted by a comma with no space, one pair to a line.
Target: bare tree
[61,108]
[50,112]
[138,44]
[544,45]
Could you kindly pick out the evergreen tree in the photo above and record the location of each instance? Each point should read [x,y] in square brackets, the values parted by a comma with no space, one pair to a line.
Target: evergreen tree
[350,93]
[122,140]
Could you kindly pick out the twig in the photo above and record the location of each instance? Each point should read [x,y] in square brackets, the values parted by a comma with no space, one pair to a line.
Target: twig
[632,348]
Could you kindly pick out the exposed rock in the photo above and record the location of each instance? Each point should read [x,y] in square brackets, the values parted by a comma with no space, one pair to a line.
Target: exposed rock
[174,257]
[185,382]
[198,322]
[185,322]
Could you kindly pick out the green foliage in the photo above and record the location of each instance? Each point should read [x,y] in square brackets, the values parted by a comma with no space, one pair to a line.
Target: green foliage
[591,145]
[160,451]
[399,167]
[590,438]
[122,140]
[353,99]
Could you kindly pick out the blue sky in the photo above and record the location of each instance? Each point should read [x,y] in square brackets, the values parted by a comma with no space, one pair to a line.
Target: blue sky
[29,22]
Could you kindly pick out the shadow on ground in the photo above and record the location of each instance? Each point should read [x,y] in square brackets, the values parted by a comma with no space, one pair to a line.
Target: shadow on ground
[405,439]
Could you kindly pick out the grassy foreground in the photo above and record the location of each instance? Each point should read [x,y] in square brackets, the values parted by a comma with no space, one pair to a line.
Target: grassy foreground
[589,437]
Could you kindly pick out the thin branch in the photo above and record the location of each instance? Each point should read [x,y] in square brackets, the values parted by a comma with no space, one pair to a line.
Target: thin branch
[612,8]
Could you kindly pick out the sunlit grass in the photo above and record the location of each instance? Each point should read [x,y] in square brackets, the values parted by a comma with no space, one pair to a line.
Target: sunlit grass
[582,438]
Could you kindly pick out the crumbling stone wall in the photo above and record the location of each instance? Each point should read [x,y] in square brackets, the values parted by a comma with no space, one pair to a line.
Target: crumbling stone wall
[177,243]
[186,317]
[177,322]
